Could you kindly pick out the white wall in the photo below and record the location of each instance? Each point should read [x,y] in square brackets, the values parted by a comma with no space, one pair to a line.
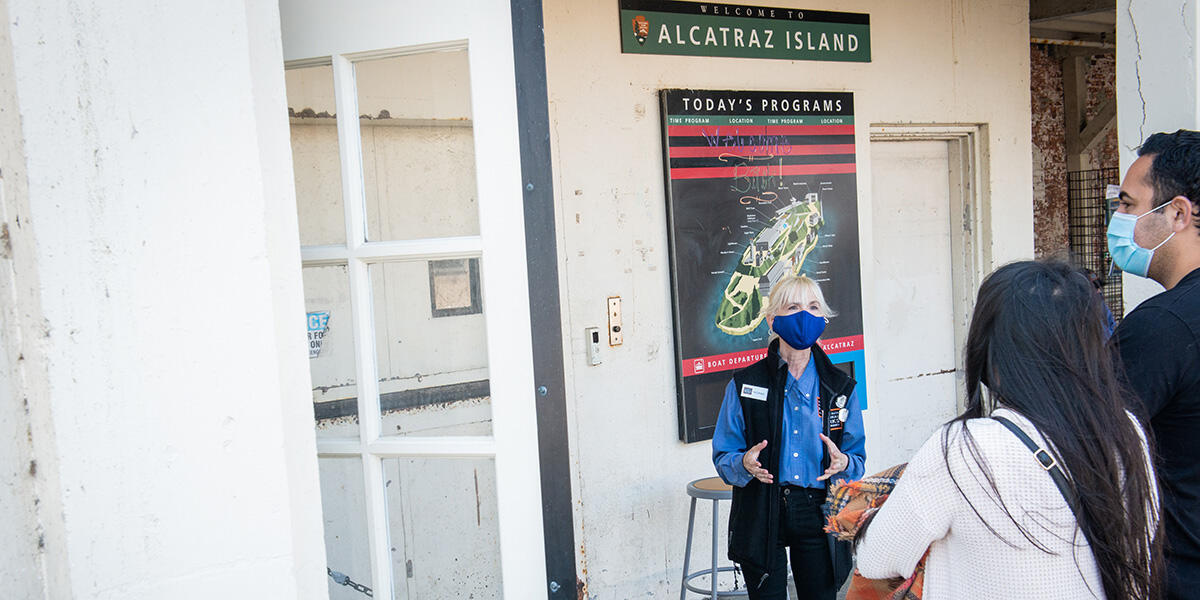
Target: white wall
[158,302]
[953,62]
[21,381]
[1156,87]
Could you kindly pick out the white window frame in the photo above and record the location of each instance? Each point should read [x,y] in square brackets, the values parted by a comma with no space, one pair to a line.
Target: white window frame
[500,248]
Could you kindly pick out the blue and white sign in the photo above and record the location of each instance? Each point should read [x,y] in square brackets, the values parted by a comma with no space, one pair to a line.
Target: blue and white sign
[318,325]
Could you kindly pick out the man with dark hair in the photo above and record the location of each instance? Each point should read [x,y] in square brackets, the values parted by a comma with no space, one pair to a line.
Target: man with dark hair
[1155,233]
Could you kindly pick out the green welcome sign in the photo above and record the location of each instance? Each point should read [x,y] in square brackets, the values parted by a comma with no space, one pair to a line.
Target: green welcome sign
[734,30]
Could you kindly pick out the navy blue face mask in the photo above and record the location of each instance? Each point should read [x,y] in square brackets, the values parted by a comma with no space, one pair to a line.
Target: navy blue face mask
[800,329]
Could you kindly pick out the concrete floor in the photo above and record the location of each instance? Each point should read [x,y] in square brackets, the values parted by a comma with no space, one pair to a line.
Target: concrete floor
[791,588]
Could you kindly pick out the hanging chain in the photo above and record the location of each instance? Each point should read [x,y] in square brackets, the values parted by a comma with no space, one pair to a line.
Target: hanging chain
[343,579]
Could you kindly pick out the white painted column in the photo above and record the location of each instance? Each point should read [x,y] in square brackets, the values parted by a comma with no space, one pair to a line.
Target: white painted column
[1156,86]
[20,557]
[151,307]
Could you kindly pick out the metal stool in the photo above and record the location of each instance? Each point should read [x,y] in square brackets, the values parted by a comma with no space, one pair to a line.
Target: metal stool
[710,488]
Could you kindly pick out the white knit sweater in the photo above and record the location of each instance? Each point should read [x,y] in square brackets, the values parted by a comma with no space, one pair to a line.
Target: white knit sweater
[966,560]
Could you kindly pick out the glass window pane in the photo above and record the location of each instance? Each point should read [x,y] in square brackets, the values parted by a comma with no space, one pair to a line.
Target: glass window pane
[344,507]
[331,350]
[454,287]
[431,345]
[315,161]
[418,146]
[427,499]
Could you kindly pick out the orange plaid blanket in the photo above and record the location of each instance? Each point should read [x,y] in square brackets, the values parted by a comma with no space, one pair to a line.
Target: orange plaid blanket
[850,508]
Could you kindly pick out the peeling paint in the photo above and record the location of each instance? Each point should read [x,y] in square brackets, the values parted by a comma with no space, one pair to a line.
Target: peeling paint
[1049,140]
[478,517]
[419,377]
[942,372]
[1102,85]
[308,113]
[581,586]
[5,242]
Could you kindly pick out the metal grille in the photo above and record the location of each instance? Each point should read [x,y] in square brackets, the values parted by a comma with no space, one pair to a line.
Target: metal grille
[1087,216]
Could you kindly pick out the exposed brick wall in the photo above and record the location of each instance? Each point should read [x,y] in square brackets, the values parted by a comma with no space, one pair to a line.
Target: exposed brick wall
[1102,83]
[1049,140]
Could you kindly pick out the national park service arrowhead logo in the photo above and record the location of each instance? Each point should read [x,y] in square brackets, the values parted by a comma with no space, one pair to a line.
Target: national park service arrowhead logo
[641,28]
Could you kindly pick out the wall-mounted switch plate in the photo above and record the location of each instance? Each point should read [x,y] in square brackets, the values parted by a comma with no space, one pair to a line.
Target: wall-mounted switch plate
[615,337]
[592,335]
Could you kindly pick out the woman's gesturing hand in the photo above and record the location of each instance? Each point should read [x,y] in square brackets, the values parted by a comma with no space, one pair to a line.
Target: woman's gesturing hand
[750,462]
[837,460]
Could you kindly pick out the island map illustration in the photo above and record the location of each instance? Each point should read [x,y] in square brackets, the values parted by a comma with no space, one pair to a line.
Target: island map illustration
[760,185]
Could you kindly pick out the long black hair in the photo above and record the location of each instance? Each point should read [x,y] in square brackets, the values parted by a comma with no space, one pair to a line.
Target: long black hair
[1037,345]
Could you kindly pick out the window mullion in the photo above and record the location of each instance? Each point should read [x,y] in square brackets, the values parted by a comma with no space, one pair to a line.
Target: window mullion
[317,256]
[350,151]
[422,249]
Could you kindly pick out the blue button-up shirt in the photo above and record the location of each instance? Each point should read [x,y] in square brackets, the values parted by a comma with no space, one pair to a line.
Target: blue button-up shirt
[800,457]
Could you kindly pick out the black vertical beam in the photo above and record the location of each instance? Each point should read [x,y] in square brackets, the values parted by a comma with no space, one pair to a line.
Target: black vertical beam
[541,249]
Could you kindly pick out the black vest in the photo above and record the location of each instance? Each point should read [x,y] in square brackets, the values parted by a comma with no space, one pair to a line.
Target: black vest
[754,515]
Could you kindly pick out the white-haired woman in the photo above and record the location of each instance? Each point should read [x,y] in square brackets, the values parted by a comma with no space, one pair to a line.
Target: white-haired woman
[788,425]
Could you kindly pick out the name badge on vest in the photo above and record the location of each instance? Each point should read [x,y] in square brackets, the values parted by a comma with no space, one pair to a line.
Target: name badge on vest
[754,392]
[836,419]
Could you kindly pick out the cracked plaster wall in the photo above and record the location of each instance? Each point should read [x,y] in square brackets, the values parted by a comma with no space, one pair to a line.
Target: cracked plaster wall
[1156,86]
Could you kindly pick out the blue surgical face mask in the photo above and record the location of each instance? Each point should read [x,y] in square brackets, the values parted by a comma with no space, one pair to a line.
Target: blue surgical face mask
[1125,252]
[800,329]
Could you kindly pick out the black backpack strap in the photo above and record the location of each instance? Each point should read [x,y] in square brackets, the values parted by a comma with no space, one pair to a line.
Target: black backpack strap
[1047,462]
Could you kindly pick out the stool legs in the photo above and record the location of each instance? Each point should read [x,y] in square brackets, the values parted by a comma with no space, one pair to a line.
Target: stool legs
[716,529]
[714,568]
[687,551]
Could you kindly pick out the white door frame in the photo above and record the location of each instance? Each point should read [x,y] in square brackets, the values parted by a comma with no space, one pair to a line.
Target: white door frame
[316,32]
[970,210]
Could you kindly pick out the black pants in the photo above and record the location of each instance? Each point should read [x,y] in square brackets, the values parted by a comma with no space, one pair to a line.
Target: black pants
[801,530]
